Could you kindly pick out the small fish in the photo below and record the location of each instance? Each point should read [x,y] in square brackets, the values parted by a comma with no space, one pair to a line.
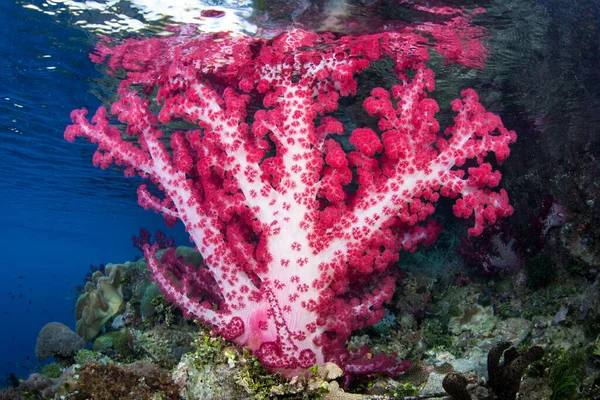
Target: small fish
[20,277]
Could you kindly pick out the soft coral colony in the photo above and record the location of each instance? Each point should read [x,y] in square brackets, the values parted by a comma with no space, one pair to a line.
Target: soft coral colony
[297,220]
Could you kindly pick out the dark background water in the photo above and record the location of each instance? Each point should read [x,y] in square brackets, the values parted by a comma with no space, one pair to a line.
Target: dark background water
[60,214]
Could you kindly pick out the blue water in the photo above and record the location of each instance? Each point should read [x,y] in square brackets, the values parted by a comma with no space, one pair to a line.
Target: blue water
[59,213]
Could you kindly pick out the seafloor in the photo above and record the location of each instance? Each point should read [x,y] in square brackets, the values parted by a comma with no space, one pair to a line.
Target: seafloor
[451,319]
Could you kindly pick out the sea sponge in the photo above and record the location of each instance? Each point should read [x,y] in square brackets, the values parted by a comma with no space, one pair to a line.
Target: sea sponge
[102,299]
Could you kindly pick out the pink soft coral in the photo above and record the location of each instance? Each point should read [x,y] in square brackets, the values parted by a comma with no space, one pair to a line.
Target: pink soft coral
[299,261]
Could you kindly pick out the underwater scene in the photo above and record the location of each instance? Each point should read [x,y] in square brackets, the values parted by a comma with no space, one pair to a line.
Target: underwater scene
[296,199]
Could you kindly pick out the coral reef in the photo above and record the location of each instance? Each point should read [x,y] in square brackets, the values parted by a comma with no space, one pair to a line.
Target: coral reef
[139,380]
